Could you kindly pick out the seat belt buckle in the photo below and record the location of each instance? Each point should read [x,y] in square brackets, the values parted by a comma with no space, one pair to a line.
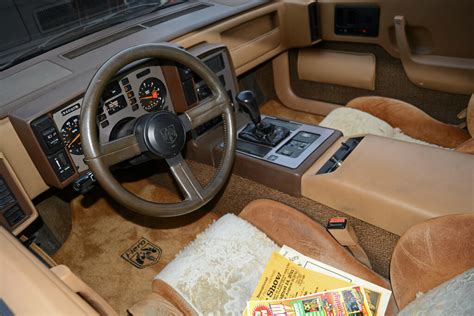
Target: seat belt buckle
[342,231]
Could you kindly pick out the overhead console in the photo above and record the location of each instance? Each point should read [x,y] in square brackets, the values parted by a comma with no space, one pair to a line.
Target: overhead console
[53,138]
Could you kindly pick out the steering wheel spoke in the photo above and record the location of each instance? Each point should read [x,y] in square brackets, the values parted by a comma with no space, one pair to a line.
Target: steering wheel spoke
[205,111]
[119,150]
[188,183]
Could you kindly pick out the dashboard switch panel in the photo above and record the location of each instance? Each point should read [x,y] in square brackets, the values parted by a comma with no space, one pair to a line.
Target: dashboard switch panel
[61,164]
[47,134]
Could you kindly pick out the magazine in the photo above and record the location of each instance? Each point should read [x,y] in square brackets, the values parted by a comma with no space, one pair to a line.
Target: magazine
[340,302]
[377,296]
[285,279]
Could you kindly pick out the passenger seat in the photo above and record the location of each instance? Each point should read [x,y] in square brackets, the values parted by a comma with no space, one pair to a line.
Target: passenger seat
[397,119]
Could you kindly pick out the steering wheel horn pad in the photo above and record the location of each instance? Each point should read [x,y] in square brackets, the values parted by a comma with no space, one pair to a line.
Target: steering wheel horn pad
[162,134]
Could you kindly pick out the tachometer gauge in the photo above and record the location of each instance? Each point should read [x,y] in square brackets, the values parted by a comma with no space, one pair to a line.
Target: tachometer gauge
[71,135]
[152,94]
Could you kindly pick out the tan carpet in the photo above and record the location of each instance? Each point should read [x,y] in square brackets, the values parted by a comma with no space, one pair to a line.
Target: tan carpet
[102,231]
[275,108]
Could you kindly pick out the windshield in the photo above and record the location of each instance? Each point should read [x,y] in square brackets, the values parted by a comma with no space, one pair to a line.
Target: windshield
[32,27]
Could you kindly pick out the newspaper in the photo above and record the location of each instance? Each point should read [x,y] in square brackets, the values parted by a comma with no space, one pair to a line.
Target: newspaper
[377,296]
[284,279]
[340,302]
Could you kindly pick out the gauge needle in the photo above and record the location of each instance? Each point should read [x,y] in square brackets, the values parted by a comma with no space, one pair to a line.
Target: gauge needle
[74,140]
[154,95]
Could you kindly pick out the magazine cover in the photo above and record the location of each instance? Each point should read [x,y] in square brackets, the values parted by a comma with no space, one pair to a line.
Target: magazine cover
[284,279]
[340,302]
[377,296]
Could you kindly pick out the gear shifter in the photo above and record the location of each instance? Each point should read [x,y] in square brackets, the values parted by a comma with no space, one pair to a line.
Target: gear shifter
[246,100]
[259,132]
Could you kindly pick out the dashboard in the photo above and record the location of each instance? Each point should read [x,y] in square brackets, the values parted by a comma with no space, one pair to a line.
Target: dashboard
[151,86]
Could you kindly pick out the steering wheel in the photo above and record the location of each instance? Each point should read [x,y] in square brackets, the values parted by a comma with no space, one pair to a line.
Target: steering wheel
[161,134]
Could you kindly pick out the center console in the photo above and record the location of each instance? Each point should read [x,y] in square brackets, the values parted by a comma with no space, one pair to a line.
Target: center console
[301,141]
[271,151]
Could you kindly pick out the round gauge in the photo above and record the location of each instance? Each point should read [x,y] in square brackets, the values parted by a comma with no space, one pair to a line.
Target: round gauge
[152,94]
[71,135]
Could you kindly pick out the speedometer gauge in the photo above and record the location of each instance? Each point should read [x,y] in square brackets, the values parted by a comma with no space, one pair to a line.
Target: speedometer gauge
[71,135]
[152,94]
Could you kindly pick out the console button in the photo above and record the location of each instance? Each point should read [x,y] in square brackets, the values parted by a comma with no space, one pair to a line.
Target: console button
[272,157]
[286,152]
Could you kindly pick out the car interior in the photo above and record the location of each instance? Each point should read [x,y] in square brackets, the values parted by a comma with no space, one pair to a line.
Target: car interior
[153,154]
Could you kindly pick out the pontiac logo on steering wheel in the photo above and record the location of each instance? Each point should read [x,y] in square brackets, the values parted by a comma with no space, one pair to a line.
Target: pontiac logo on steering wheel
[169,134]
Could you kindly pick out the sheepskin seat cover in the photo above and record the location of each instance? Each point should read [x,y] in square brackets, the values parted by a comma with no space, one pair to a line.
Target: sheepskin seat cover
[352,122]
[218,271]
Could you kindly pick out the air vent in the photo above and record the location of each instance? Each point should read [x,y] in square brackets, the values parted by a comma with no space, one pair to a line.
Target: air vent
[176,15]
[102,42]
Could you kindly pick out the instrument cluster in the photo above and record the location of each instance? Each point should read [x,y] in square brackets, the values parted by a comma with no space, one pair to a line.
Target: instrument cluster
[128,97]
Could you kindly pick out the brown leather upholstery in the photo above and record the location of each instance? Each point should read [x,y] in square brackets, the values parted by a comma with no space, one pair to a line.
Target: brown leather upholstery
[431,253]
[411,120]
[285,225]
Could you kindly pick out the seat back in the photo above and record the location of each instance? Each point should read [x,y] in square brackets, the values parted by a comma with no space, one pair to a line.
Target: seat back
[431,253]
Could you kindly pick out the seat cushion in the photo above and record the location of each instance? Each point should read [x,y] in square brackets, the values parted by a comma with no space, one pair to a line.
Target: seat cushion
[262,221]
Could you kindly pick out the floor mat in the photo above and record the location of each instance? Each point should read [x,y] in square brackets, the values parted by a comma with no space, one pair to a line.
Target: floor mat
[103,231]
[275,108]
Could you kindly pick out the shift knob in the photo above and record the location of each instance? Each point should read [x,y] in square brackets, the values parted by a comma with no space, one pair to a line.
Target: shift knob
[246,100]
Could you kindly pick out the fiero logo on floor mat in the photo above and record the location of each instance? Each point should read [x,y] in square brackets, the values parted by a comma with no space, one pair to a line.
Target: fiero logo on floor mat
[142,254]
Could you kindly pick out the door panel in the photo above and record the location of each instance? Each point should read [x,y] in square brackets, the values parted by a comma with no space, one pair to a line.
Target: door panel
[435,27]
[390,81]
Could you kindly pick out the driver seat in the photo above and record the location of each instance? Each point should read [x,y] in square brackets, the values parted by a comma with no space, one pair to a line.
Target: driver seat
[234,251]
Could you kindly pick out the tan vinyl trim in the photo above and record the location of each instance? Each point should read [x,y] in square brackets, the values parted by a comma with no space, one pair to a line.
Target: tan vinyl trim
[441,42]
[258,35]
[29,288]
[451,74]
[393,184]
[355,70]
[13,149]
[85,291]
[281,77]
